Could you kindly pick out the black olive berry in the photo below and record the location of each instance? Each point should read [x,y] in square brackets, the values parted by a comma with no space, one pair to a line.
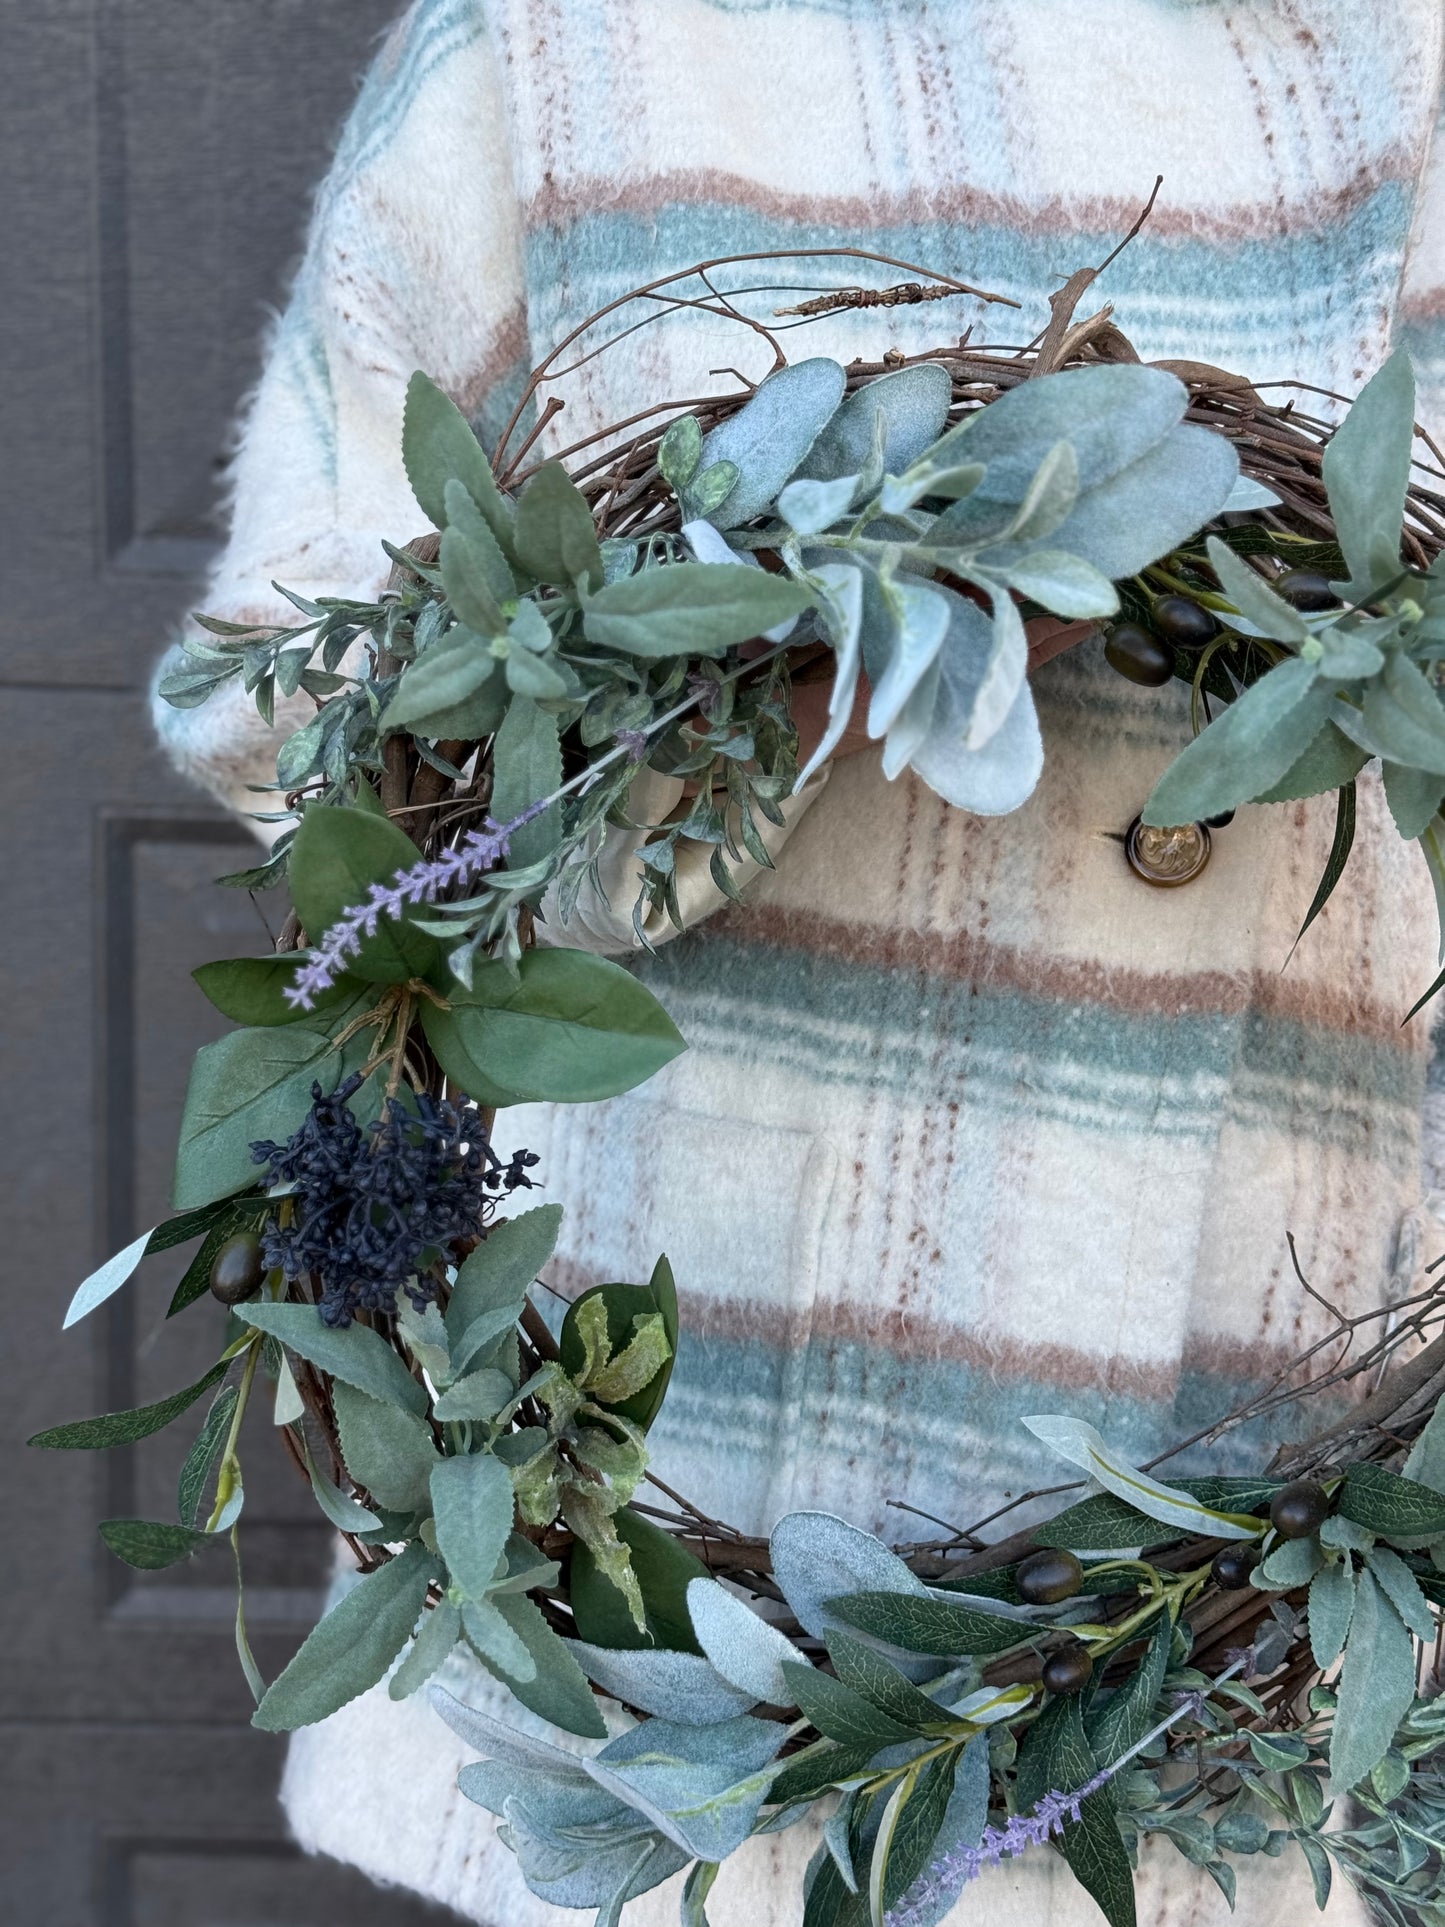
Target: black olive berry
[1046,1577]
[238,1268]
[1232,1567]
[1222,821]
[1179,620]
[1306,590]
[1297,1510]
[1138,654]
[1069,1669]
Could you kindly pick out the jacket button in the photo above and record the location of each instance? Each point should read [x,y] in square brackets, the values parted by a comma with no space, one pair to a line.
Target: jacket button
[1167,857]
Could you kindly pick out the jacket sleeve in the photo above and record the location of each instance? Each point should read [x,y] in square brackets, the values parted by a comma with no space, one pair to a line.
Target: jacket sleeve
[413,260]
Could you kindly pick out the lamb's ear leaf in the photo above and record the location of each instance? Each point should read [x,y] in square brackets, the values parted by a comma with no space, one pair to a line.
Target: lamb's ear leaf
[771,435]
[911,404]
[438,446]
[353,1645]
[1367,471]
[559,1692]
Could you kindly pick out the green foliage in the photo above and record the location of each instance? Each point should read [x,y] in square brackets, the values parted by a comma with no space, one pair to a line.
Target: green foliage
[438,447]
[124,1428]
[554,534]
[252,990]
[564,1027]
[627,1307]
[353,1353]
[338,854]
[387,1447]
[1056,1754]
[472,1507]
[353,1645]
[663,1568]
[693,608]
[149,1545]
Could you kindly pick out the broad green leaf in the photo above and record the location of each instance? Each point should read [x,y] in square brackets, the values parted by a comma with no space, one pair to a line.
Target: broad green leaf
[388,1450]
[690,608]
[353,1645]
[437,445]
[1064,583]
[1254,598]
[625,1305]
[559,1692]
[124,1428]
[1367,470]
[568,1027]
[151,1545]
[353,1353]
[770,437]
[680,451]
[741,1644]
[1331,762]
[1242,753]
[1332,1603]
[439,1632]
[664,1569]
[527,756]
[472,1505]
[190,1224]
[695,1891]
[338,854]
[1127,1714]
[251,990]
[868,1673]
[554,534]
[1376,1686]
[503,1267]
[926,1625]
[202,1455]
[1388,1504]
[911,404]
[455,691]
[1056,1756]
[248,1085]
[839,1713]
[1081,1445]
[107,1280]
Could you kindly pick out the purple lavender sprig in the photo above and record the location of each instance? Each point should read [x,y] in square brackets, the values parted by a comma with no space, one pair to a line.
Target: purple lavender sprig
[954,1869]
[424,882]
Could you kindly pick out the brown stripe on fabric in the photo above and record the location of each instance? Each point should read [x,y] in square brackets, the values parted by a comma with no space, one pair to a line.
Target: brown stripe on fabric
[964,956]
[558,203]
[909,1336]
[509,345]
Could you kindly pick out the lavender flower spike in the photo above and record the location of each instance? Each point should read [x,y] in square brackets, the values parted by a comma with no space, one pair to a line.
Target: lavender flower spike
[425,881]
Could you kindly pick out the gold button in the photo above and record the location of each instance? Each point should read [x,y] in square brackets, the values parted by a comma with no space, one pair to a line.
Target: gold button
[1167,857]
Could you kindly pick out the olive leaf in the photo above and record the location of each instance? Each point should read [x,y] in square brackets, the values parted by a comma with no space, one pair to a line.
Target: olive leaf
[1081,1445]
[124,1428]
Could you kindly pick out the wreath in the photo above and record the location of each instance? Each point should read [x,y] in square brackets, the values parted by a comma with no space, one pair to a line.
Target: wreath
[1153,1657]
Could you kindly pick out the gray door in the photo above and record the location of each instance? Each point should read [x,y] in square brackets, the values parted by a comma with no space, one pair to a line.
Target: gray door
[157,158]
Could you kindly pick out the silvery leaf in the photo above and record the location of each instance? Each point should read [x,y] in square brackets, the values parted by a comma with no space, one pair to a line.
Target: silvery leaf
[108,1279]
[708,545]
[1403,715]
[1004,672]
[675,1686]
[741,1645]
[1400,1587]
[990,781]
[1345,655]
[1064,583]
[1330,761]
[771,436]
[835,1839]
[910,728]
[1251,746]
[497,1642]
[809,507]
[439,1632]
[498,1741]
[1376,1687]
[1367,470]
[554,1800]
[1344,1535]
[817,1557]
[1050,496]
[1332,1602]
[1112,415]
[913,405]
[1129,521]
[841,608]
[1293,1562]
[921,620]
[1248,494]
[964,1820]
[1414,797]
[473,1506]
[702,1787]
[900,492]
[1253,597]
[585,1868]
[1080,1444]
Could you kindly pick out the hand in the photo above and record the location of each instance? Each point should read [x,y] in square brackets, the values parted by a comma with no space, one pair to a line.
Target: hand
[1048,637]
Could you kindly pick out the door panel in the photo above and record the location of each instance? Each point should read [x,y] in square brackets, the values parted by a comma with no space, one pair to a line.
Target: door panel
[160,156]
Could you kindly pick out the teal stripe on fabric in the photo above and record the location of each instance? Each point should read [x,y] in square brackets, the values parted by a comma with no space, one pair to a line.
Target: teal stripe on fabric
[434,32]
[944,1435]
[1174,296]
[837,1023]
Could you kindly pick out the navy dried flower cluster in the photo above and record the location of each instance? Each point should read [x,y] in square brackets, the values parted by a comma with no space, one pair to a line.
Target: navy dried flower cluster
[370,1203]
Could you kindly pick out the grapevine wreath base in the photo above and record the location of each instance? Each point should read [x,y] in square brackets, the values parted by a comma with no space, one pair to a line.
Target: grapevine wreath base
[1151,1658]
